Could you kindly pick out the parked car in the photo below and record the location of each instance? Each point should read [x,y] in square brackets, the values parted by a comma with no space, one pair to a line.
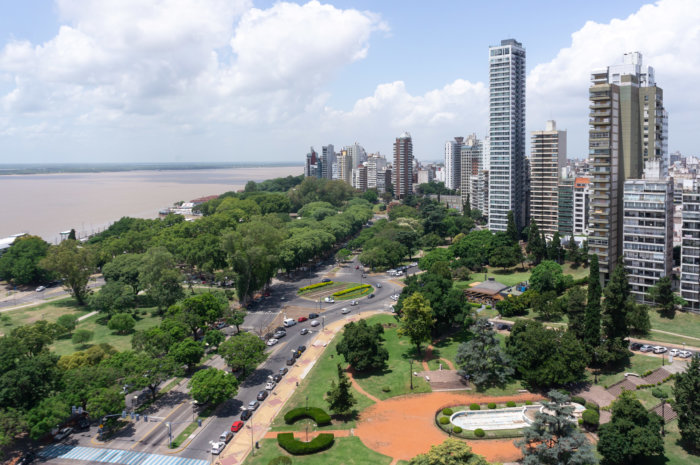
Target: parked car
[245,414]
[283,371]
[314,323]
[503,327]
[302,319]
[270,385]
[63,433]
[253,404]
[227,435]
[345,310]
[313,315]
[279,334]
[685,354]
[371,296]
[301,349]
[290,361]
[659,349]
[357,267]
[330,300]
[262,395]
[354,302]
[646,348]
[325,280]
[217,447]
[304,331]
[41,288]
[277,378]
[394,297]
[272,341]
[221,325]
[673,352]
[635,346]
[414,263]
[236,426]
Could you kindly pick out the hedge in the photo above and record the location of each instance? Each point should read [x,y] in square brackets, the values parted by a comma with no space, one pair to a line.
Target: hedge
[592,406]
[591,418]
[444,420]
[314,286]
[352,289]
[578,400]
[491,405]
[479,433]
[474,407]
[321,442]
[318,415]
[447,411]
[281,460]
[457,429]
[528,402]
[510,403]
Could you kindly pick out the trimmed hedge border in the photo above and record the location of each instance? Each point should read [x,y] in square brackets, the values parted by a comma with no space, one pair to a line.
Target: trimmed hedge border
[352,289]
[315,286]
[316,414]
[296,447]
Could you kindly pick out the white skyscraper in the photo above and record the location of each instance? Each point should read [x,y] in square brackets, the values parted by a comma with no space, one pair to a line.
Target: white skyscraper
[507,174]
[453,169]
[357,153]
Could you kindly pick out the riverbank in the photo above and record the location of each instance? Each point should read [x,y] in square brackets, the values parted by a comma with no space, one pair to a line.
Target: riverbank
[46,204]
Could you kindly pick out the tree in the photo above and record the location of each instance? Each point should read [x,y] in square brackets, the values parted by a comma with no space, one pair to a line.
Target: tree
[243,352]
[632,435]
[114,296]
[20,263]
[576,310]
[82,337]
[536,247]
[48,413]
[616,293]
[482,357]
[553,439]
[555,251]
[72,263]
[592,317]
[450,452]
[71,235]
[214,338]
[416,320]
[638,320]
[67,323]
[159,278]
[187,352]
[122,323]
[664,297]
[148,372]
[685,391]
[504,253]
[371,195]
[467,207]
[547,276]
[198,311]
[12,424]
[237,319]
[212,386]
[572,252]
[340,399]
[362,346]
[105,401]
[548,305]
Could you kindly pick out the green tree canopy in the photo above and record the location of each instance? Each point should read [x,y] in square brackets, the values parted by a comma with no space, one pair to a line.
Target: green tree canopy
[212,386]
[188,352]
[547,276]
[450,452]
[20,263]
[685,391]
[482,357]
[417,319]
[73,263]
[159,277]
[592,316]
[243,352]
[122,323]
[339,397]
[362,346]
[664,297]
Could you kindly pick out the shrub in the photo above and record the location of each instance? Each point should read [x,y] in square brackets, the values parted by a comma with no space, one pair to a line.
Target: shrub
[592,406]
[474,407]
[457,429]
[318,415]
[444,420]
[510,403]
[528,402]
[658,393]
[578,400]
[386,388]
[492,405]
[352,289]
[321,442]
[591,418]
[479,433]
[281,460]
[447,411]
[315,286]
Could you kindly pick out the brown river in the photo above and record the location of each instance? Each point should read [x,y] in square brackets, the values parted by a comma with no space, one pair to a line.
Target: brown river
[46,204]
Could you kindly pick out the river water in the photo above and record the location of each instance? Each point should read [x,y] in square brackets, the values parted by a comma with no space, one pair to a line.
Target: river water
[46,204]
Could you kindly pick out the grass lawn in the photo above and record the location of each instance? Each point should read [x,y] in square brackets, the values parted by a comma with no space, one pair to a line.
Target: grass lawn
[513,276]
[638,364]
[346,451]
[50,311]
[685,323]
[397,375]
[674,452]
[315,386]
[102,334]
[649,401]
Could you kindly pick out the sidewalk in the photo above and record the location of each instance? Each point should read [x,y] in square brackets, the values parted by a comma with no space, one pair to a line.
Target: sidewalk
[256,428]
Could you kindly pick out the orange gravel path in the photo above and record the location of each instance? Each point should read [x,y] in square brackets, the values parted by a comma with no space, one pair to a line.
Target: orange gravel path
[429,356]
[357,386]
[404,427]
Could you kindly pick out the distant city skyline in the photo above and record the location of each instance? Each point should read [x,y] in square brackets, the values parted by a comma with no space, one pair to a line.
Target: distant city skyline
[236,81]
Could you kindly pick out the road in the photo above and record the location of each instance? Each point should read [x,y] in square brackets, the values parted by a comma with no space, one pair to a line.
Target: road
[14,299]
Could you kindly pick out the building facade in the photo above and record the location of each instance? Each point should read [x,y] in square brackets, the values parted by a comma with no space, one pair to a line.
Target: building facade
[327,161]
[453,163]
[312,168]
[690,250]
[472,163]
[547,159]
[582,198]
[507,176]
[565,207]
[345,167]
[403,166]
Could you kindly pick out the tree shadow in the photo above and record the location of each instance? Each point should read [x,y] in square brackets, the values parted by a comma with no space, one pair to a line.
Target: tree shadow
[256,377]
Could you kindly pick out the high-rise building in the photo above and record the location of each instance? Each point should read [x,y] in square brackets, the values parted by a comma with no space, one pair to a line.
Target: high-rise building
[345,167]
[357,153]
[507,176]
[327,161]
[359,177]
[375,165]
[616,147]
[312,167]
[472,163]
[582,198]
[690,250]
[648,229]
[453,163]
[546,162]
[403,166]
[565,206]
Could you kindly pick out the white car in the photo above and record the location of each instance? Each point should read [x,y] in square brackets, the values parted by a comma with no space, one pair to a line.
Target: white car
[395,297]
[354,302]
[64,433]
[314,323]
[345,311]
[674,352]
[414,263]
[272,341]
[379,285]
[270,385]
[40,288]
[329,300]
[659,349]
[217,447]
[684,354]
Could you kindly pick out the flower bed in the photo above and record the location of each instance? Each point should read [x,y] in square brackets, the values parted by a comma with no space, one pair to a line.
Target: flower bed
[314,286]
[352,289]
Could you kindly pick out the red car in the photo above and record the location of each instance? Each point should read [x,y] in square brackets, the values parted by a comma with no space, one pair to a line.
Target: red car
[357,267]
[236,426]
[302,319]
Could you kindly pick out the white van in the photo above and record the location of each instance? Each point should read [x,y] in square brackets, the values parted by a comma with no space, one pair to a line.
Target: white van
[289,322]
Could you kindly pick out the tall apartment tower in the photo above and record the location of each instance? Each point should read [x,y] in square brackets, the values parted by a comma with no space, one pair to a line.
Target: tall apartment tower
[403,166]
[582,198]
[648,229]
[690,250]
[453,163]
[345,167]
[616,141]
[565,206]
[357,153]
[327,161]
[312,167]
[507,176]
[472,162]
[546,161]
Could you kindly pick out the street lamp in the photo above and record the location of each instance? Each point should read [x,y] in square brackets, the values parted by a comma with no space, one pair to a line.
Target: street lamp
[307,402]
[410,373]
[323,320]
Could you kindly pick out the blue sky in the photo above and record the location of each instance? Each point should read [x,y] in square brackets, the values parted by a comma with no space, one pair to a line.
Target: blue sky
[242,80]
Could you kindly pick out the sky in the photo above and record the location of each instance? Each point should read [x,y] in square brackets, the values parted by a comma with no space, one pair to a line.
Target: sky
[262,81]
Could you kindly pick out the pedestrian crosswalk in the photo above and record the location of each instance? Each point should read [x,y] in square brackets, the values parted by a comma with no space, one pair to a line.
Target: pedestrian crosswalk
[117,456]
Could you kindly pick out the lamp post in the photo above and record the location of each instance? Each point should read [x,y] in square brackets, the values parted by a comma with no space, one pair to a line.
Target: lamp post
[323,322]
[307,402]
[192,410]
[410,373]
[252,439]
[663,416]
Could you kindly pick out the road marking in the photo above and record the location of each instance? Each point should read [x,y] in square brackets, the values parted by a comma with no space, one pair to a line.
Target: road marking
[159,424]
[118,456]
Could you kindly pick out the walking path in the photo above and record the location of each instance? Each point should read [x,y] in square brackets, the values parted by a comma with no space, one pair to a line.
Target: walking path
[429,356]
[84,317]
[338,433]
[359,388]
